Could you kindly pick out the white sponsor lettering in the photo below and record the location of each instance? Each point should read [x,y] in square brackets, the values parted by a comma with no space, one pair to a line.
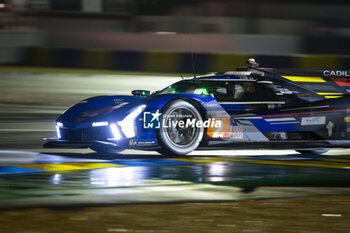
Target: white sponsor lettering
[338,73]
[218,124]
[317,120]
[181,124]
[192,123]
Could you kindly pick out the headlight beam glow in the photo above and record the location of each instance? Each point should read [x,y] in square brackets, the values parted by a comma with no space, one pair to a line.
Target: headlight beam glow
[115,132]
[58,126]
[58,132]
[128,124]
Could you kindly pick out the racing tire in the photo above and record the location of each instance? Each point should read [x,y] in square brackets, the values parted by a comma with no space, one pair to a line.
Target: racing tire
[314,152]
[176,140]
[106,149]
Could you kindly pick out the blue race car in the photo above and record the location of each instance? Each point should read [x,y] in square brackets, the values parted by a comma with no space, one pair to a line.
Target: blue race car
[307,110]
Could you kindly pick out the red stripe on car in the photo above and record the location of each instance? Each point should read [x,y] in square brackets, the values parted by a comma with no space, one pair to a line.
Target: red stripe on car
[342,82]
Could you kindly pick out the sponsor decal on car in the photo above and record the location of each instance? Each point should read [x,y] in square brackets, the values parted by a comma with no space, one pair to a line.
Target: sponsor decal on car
[192,123]
[154,120]
[151,120]
[237,132]
[220,132]
[142,142]
[317,120]
[339,73]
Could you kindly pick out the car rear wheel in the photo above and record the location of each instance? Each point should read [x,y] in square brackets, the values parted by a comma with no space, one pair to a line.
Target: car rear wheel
[178,138]
[105,149]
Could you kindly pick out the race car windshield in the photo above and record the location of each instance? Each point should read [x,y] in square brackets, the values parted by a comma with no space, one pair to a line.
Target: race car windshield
[185,87]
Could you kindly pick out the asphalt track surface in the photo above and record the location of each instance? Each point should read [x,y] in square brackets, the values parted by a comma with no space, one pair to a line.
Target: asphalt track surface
[31,176]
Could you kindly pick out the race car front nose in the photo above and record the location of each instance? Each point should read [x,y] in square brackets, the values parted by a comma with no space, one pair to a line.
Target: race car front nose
[102,129]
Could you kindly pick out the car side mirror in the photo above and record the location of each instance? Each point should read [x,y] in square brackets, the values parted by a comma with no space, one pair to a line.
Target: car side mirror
[141,93]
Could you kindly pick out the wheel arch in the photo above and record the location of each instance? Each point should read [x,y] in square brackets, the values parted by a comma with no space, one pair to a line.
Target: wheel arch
[194,102]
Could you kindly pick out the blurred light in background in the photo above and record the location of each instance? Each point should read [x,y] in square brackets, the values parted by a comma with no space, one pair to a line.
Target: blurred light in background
[160,36]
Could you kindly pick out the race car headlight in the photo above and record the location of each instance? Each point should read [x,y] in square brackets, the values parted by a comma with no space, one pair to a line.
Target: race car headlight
[58,125]
[97,124]
[128,124]
[115,132]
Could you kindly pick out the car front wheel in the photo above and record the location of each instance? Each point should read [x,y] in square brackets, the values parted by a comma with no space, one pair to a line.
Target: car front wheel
[178,134]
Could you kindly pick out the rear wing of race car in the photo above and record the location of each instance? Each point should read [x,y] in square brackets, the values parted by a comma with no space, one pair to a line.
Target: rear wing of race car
[327,83]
